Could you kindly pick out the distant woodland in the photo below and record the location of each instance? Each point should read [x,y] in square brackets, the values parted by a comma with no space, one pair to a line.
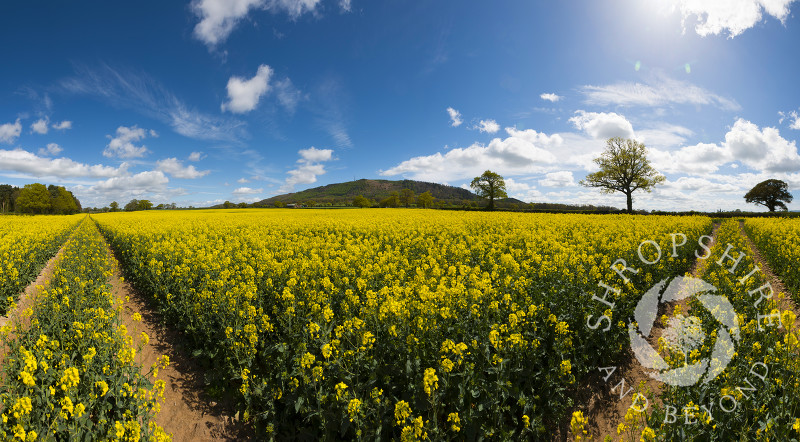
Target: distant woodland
[37,198]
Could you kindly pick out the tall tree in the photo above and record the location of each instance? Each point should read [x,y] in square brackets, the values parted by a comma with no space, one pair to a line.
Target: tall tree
[406,197]
[771,194]
[425,200]
[34,198]
[489,186]
[6,194]
[114,206]
[360,201]
[393,200]
[624,168]
[64,202]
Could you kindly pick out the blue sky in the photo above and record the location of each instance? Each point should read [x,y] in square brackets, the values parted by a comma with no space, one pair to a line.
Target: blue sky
[198,102]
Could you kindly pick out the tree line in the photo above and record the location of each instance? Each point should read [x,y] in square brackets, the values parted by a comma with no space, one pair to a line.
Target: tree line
[38,199]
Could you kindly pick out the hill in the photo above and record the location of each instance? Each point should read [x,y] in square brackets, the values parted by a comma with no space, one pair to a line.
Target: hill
[343,193]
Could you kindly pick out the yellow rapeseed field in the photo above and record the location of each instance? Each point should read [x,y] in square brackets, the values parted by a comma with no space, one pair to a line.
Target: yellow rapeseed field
[397,323]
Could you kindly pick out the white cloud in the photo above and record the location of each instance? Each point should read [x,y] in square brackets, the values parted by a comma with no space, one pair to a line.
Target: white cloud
[550,97]
[792,117]
[175,167]
[761,149]
[602,125]
[488,126]
[219,17]
[717,16]
[558,179]
[309,168]
[196,156]
[40,126]
[455,117]
[288,95]
[243,95]
[242,180]
[66,124]
[519,190]
[22,161]
[51,149]
[150,98]
[10,132]
[521,152]
[660,91]
[246,191]
[122,145]
[149,181]
[663,135]
[345,5]
[314,155]
[702,158]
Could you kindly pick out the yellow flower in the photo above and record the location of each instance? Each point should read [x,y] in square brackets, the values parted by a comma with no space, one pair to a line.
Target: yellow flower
[353,408]
[430,381]
[454,421]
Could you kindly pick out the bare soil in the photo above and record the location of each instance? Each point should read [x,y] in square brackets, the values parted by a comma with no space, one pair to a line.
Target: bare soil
[187,413]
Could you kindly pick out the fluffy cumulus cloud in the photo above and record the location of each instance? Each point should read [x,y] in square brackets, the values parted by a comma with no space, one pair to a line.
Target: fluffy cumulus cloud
[455,117]
[602,125]
[762,149]
[51,149]
[308,169]
[40,126]
[519,190]
[562,178]
[715,17]
[659,91]
[523,151]
[488,126]
[218,18]
[244,94]
[196,156]
[149,181]
[702,158]
[63,125]
[550,97]
[9,132]
[28,163]
[121,145]
[247,191]
[175,168]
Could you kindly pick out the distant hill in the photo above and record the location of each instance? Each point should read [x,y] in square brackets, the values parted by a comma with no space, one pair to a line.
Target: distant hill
[341,193]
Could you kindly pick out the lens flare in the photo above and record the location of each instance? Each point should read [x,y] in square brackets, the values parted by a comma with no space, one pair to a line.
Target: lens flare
[637,66]
[688,68]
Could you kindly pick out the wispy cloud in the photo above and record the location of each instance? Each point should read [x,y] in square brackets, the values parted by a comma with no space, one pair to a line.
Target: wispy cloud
[143,94]
[659,91]
[330,107]
[455,117]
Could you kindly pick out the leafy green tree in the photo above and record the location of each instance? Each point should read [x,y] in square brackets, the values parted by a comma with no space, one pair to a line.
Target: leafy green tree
[279,204]
[490,186]
[114,206]
[132,205]
[228,205]
[6,198]
[144,205]
[425,200]
[624,168]
[360,201]
[393,200]
[771,194]
[64,201]
[406,197]
[34,198]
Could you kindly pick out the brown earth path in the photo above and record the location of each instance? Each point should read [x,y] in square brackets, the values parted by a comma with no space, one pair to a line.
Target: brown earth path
[185,413]
[605,409]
